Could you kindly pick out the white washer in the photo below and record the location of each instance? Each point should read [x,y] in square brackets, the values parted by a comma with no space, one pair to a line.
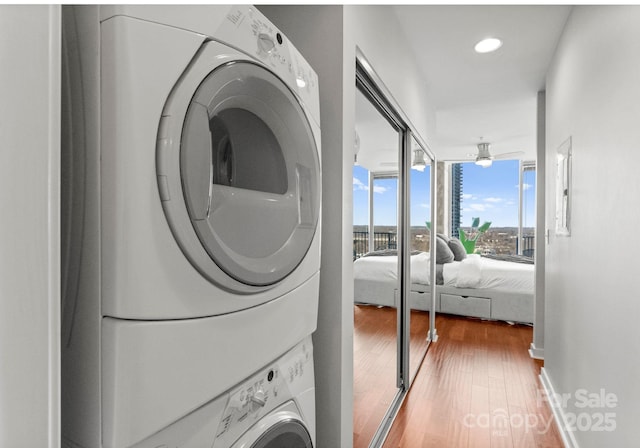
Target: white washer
[274,408]
[194,159]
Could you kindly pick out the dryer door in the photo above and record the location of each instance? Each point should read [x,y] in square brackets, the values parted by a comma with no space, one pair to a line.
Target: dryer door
[249,172]
[285,434]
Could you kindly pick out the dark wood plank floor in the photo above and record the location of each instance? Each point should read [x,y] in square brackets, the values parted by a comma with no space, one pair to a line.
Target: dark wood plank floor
[374,351]
[477,387]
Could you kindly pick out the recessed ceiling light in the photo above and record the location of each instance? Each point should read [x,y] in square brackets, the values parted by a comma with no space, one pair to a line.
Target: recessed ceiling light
[488,45]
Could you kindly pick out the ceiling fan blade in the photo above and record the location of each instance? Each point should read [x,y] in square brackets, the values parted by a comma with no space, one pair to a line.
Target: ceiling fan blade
[457,160]
[508,155]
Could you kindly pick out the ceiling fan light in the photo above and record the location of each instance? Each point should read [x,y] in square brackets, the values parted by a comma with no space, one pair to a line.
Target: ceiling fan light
[418,160]
[488,45]
[484,163]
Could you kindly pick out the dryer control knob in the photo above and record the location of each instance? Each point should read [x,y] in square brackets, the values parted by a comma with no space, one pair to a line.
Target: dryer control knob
[266,43]
[259,398]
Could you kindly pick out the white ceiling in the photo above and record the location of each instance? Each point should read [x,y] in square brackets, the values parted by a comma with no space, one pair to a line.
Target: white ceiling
[483,96]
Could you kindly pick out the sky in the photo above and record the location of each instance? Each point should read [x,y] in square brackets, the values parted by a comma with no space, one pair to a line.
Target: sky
[492,194]
[385,198]
[488,193]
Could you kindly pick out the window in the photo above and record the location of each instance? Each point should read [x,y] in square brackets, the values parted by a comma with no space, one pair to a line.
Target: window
[493,195]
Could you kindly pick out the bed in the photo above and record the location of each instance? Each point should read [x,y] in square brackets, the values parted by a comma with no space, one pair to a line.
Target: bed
[474,286]
[375,280]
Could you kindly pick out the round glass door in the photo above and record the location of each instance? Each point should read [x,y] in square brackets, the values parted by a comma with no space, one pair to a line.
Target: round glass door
[286,434]
[250,173]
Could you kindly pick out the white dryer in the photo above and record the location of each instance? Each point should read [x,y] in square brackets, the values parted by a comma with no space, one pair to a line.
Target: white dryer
[193,196]
[210,171]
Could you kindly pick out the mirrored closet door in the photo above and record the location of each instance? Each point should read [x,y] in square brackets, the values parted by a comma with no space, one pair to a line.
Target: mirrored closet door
[375,241]
[419,245]
[392,198]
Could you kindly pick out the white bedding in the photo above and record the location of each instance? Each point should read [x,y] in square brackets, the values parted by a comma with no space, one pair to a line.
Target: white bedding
[473,272]
[482,273]
[381,268]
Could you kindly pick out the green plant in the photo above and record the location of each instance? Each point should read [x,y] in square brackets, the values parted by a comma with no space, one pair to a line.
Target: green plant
[469,239]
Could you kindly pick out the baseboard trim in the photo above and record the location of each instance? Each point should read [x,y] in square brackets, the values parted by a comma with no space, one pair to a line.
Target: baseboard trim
[536,353]
[568,437]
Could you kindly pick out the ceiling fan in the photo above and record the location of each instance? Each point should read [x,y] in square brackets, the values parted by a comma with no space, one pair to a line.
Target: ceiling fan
[417,161]
[484,158]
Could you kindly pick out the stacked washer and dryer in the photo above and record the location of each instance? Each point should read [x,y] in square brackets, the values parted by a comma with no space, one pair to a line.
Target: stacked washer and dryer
[191,229]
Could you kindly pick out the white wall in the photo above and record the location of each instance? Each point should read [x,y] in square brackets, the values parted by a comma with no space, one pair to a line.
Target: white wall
[29,226]
[592,301]
[376,32]
[327,36]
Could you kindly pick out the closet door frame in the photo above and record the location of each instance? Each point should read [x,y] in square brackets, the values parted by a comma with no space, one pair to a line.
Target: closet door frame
[371,86]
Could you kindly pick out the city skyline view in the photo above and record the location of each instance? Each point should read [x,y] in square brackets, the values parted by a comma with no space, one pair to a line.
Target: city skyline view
[488,193]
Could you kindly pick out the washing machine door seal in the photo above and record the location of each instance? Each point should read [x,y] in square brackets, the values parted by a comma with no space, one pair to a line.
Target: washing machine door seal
[247,165]
[285,434]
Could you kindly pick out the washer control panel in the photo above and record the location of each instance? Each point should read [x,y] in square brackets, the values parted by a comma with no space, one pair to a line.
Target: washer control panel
[263,392]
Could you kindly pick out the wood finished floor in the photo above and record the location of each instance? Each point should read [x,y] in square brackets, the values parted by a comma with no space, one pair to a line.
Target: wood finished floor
[477,387]
[374,351]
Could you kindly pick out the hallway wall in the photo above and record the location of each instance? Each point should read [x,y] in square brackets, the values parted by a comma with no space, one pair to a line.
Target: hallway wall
[592,305]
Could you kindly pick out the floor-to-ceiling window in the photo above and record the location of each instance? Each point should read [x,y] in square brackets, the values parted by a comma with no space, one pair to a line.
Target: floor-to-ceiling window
[502,197]
[526,243]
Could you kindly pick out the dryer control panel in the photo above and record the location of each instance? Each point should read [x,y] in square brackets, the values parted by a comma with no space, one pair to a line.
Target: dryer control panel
[263,392]
[250,31]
